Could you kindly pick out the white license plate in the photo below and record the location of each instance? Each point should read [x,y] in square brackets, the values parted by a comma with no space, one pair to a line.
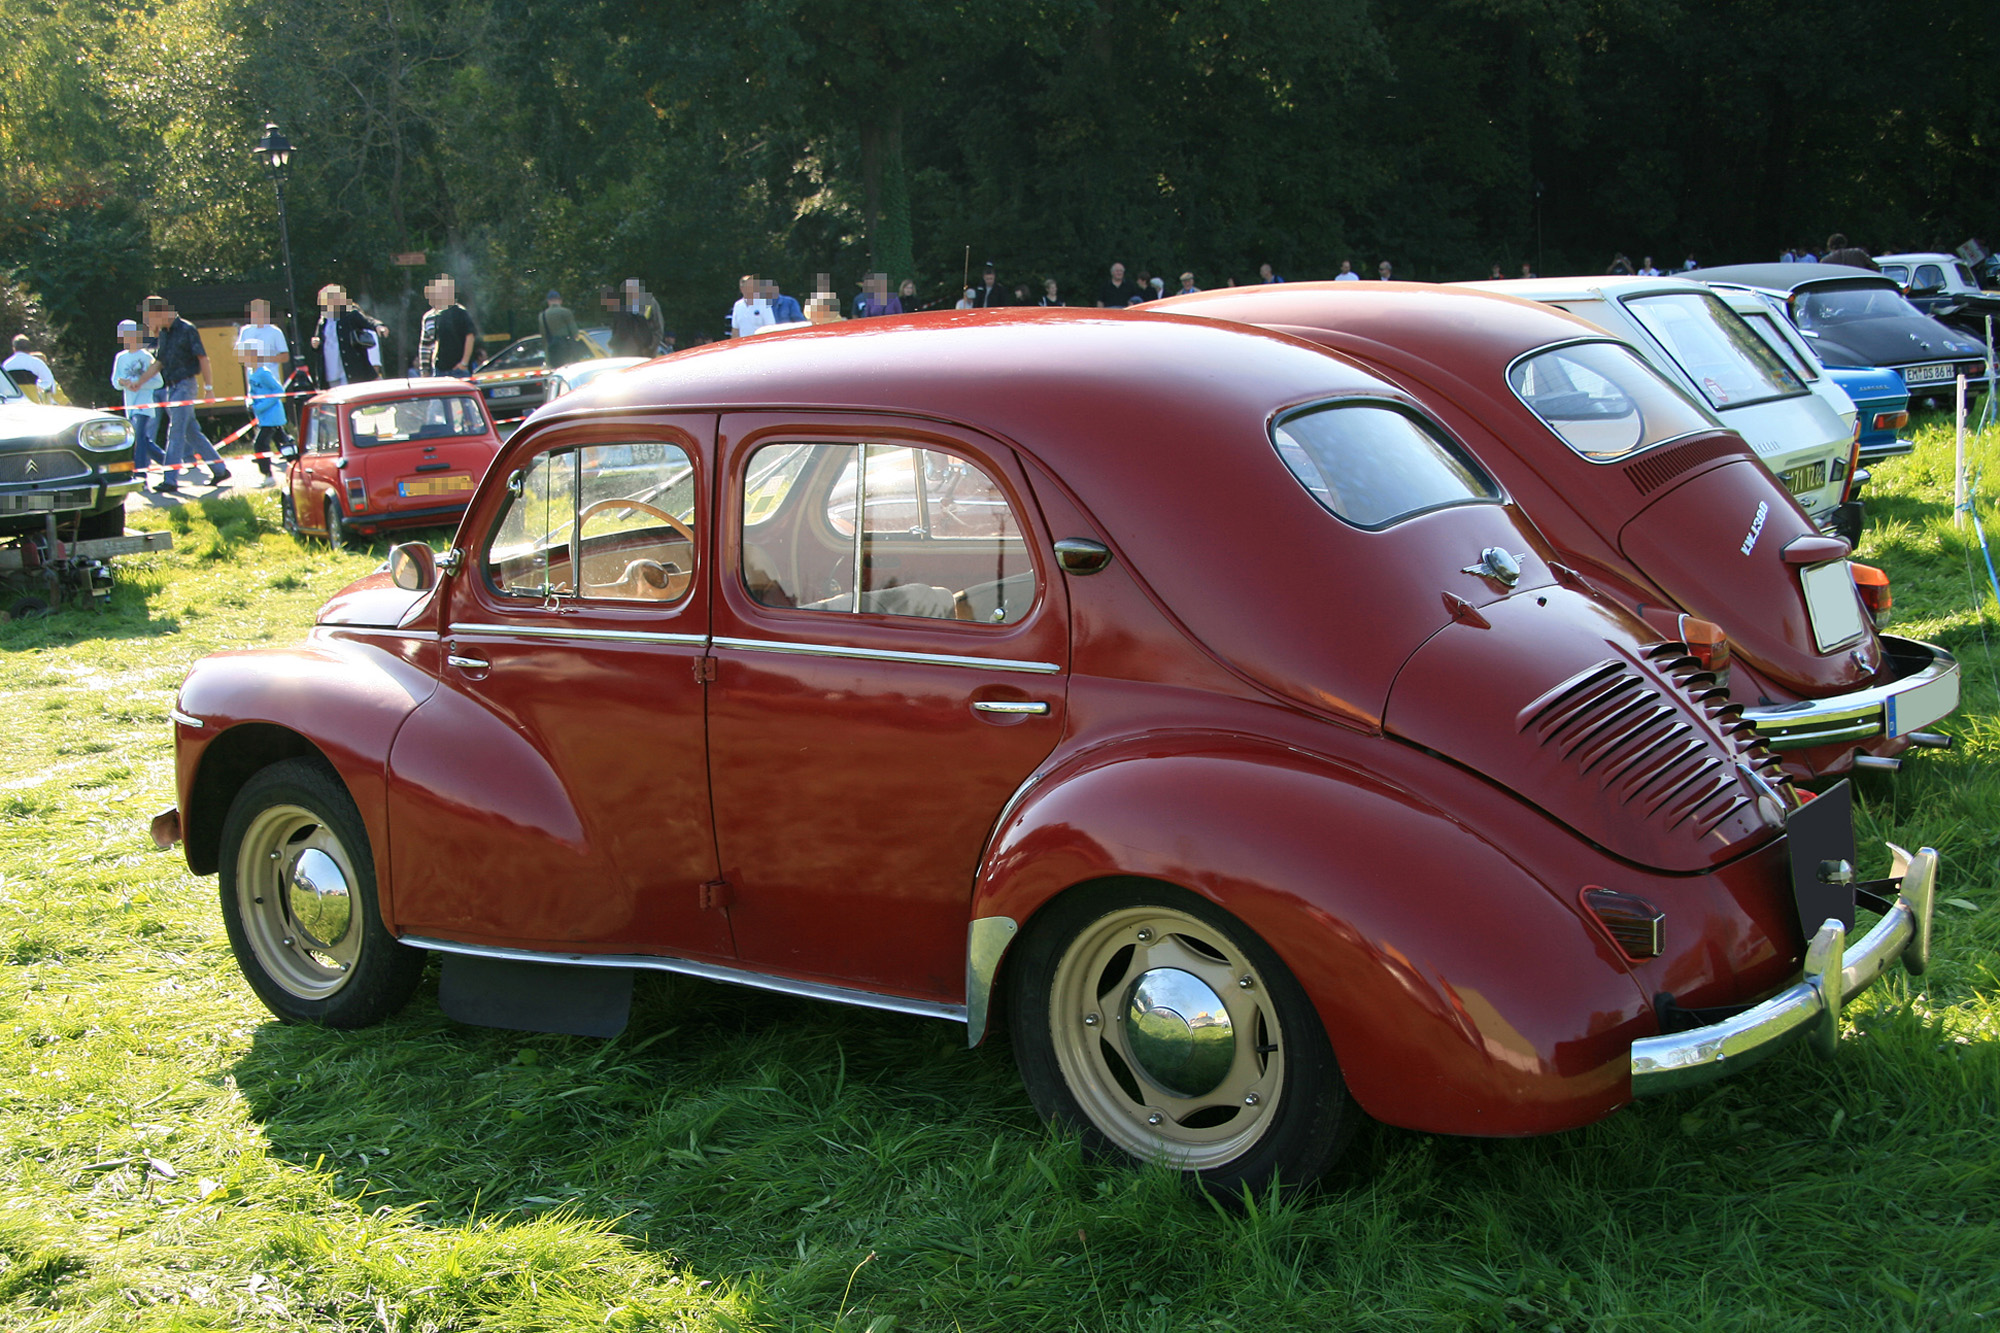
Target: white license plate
[1808,478]
[506,390]
[1832,604]
[1920,706]
[1928,374]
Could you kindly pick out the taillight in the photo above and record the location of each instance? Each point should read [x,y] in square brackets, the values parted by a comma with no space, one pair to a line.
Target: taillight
[1706,643]
[1891,420]
[1873,585]
[1634,925]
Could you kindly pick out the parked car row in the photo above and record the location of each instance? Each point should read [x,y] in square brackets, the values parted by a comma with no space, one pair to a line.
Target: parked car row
[1286,706]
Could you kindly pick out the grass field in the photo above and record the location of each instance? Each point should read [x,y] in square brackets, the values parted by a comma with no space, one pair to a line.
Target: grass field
[171,1158]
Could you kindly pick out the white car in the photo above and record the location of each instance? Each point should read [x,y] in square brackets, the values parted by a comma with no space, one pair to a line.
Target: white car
[1802,429]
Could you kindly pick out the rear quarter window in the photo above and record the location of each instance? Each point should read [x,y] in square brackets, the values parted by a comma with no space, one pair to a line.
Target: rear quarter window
[1373,465]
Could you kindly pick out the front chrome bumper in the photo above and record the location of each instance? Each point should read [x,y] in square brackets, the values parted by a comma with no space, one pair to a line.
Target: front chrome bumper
[1926,690]
[1810,1008]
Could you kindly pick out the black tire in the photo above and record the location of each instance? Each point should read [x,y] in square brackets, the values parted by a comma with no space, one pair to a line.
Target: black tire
[28,608]
[1261,1101]
[312,944]
[109,523]
[336,530]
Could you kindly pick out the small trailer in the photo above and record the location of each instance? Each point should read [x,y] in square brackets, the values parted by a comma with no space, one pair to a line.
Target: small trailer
[39,571]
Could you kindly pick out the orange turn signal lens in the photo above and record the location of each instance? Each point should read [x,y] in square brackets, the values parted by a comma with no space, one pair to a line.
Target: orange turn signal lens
[1634,925]
[1891,420]
[1706,643]
[1873,585]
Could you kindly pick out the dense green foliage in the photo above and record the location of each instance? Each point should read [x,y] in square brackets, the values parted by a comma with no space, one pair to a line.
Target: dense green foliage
[524,143]
[173,1159]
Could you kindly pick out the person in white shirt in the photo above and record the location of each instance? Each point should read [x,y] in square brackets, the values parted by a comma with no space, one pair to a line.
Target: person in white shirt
[32,367]
[1649,269]
[1347,273]
[137,374]
[266,337]
[751,311]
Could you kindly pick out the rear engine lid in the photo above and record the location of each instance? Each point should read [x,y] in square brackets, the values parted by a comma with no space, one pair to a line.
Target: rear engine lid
[1573,705]
[1731,546]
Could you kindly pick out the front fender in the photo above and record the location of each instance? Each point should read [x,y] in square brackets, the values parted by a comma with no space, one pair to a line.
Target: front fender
[1460,993]
[341,699]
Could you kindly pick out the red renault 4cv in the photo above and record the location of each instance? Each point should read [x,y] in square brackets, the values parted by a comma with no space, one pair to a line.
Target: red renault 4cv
[1649,498]
[1196,698]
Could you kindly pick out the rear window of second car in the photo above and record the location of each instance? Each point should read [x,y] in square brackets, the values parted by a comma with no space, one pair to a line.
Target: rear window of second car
[1725,358]
[1603,401]
[1373,465]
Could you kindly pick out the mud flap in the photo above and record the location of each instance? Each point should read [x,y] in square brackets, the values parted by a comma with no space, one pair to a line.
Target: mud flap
[1820,835]
[535,997]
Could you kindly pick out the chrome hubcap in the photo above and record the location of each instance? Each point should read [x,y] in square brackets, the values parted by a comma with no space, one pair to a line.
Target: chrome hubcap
[1179,1032]
[320,899]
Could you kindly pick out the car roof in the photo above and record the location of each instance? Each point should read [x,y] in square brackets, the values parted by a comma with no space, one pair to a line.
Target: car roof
[1788,277]
[380,390]
[1919,257]
[971,366]
[1583,287]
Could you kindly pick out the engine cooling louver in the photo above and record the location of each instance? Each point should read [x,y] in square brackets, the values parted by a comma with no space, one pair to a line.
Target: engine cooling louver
[1655,470]
[1616,723]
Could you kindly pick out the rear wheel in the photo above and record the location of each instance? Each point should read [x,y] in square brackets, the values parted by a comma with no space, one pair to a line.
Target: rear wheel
[1163,1028]
[298,900]
[336,530]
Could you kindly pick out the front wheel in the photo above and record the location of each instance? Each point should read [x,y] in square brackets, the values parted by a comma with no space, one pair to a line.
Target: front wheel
[298,899]
[1163,1028]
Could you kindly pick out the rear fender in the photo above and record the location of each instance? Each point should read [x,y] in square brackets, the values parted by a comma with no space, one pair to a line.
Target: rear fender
[1460,994]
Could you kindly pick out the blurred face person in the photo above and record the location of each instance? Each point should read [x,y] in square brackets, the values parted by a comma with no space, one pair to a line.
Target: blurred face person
[440,292]
[747,285]
[1118,273]
[1264,272]
[332,297]
[1382,270]
[260,312]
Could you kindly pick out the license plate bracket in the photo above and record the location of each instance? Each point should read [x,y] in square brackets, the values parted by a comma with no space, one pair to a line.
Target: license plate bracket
[1818,832]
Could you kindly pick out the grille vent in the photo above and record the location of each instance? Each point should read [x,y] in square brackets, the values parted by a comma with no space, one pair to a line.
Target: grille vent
[1618,726]
[1655,470]
[42,466]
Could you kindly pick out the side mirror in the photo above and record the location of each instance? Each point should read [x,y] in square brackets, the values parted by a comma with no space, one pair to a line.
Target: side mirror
[413,567]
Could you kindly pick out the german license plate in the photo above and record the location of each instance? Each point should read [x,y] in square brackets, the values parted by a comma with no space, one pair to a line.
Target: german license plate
[506,390]
[433,486]
[1808,478]
[1928,374]
[1920,706]
[1832,604]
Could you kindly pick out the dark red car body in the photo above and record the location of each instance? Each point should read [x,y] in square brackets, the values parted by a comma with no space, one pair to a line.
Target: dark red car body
[1697,525]
[1329,758]
[414,474]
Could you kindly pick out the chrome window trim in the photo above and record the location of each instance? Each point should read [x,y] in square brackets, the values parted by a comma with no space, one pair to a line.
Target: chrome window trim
[688,967]
[889,655]
[578,632]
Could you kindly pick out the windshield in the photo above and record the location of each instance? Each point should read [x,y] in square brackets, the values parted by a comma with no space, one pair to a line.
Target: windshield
[1824,307]
[1724,357]
[1373,465]
[8,389]
[1603,401]
[523,355]
[416,419]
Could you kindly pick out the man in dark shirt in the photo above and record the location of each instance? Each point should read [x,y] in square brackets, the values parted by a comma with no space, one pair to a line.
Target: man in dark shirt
[444,344]
[182,359]
[1117,293]
[990,292]
[1838,251]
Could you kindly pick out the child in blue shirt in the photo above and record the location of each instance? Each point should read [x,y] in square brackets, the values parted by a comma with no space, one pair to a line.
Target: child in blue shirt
[265,397]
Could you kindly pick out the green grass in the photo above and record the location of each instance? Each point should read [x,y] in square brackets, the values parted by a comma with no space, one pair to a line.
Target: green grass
[171,1158]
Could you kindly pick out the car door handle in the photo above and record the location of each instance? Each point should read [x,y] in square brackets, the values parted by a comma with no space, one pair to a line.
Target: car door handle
[1008,706]
[468,663]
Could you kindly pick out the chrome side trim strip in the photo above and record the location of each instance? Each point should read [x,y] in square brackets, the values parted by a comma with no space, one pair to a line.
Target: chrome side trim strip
[1810,1008]
[986,940]
[888,655]
[1851,716]
[185,719]
[578,632]
[421,635]
[687,967]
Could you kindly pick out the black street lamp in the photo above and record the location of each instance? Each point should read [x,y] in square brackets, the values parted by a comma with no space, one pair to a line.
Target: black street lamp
[275,150]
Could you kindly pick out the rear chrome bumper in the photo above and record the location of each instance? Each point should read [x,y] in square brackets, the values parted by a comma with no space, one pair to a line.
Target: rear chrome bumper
[1810,1008]
[1925,689]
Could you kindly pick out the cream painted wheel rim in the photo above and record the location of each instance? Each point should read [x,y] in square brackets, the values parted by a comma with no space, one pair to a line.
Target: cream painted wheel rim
[1167,1037]
[296,897]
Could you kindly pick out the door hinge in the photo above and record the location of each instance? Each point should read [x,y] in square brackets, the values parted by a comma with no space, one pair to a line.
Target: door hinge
[715,895]
[704,670]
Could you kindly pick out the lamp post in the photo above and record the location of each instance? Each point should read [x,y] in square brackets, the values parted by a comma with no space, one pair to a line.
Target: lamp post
[275,151]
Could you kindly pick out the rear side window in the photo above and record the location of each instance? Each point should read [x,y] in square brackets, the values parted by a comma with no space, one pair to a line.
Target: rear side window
[1603,401]
[1374,465]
